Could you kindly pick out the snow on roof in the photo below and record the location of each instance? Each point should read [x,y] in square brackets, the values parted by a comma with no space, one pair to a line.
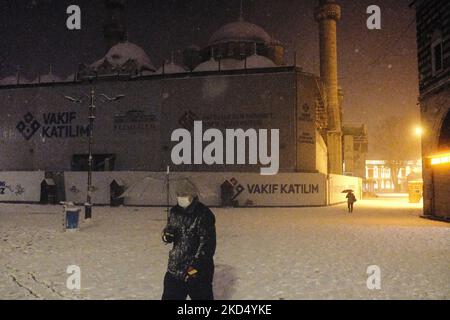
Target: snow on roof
[8,80]
[232,64]
[240,31]
[253,62]
[210,65]
[71,78]
[11,80]
[256,61]
[124,52]
[147,73]
[47,78]
[50,181]
[171,68]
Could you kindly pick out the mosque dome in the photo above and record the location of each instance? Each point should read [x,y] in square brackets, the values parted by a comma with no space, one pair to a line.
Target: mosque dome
[240,31]
[124,53]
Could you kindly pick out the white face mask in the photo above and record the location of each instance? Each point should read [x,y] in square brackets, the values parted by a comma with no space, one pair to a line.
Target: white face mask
[184,202]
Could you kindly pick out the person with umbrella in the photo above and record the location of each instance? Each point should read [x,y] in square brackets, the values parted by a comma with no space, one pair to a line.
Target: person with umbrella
[351,199]
[191,229]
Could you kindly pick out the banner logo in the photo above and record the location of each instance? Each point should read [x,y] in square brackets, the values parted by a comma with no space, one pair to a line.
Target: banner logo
[28,126]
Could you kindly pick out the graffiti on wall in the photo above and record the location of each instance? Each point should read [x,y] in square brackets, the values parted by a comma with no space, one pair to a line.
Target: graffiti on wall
[17,190]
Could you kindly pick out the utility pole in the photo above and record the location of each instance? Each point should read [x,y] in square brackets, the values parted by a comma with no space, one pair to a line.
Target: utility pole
[88,204]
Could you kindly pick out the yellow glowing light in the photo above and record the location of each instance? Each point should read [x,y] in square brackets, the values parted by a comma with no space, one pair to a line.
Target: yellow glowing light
[419,131]
[440,159]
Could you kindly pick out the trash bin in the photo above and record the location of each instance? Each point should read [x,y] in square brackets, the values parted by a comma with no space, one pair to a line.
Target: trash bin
[72,218]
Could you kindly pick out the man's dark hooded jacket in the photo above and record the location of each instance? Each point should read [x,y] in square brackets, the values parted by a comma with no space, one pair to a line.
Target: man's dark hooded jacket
[194,240]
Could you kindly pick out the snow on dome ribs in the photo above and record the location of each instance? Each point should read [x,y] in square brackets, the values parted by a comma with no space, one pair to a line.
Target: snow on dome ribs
[124,58]
[122,52]
[210,65]
[256,61]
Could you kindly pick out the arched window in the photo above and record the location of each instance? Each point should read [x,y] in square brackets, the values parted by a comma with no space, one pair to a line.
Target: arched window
[437,55]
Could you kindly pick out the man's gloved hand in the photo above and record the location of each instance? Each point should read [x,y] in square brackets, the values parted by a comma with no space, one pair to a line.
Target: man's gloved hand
[168,235]
[191,273]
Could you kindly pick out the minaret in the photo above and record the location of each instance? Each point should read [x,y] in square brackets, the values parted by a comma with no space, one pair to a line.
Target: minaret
[115,23]
[327,14]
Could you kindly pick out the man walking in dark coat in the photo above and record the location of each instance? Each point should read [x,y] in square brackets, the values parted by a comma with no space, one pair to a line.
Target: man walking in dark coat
[191,229]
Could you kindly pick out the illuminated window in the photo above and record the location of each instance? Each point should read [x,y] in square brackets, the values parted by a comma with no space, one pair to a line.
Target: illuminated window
[442,159]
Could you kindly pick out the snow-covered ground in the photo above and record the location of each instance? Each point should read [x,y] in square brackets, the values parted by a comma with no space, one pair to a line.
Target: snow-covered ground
[302,253]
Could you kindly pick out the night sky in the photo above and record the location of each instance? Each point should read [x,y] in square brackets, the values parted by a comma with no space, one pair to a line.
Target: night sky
[377,68]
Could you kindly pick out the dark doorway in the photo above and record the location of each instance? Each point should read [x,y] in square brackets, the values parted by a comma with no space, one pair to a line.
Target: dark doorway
[101,162]
[116,189]
[48,191]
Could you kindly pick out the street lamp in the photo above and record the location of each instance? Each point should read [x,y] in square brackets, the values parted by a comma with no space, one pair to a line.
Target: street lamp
[88,204]
[418,131]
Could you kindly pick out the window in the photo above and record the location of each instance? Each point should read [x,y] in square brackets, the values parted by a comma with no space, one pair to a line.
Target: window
[437,56]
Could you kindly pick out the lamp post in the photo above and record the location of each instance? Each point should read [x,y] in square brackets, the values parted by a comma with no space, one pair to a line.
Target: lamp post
[92,108]
[418,131]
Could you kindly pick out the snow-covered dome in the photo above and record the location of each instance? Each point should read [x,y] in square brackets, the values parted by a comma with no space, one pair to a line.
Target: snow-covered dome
[256,61]
[210,65]
[240,31]
[171,68]
[126,52]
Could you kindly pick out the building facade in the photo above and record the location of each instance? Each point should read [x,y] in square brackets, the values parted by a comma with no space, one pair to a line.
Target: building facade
[382,176]
[433,44]
[41,130]
[356,147]
[239,80]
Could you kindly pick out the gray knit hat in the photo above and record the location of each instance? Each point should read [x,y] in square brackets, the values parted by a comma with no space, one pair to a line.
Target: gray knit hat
[186,187]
